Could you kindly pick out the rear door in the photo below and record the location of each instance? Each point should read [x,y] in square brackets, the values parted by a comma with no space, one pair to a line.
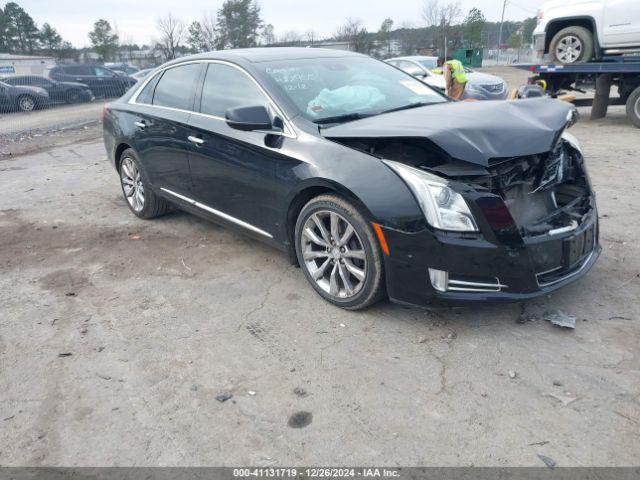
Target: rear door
[234,171]
[159,120]
[621,23]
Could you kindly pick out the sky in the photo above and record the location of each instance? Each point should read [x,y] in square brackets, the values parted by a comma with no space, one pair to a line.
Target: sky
[136,20]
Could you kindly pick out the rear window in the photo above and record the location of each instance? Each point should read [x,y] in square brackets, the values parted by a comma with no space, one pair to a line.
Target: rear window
[176,87]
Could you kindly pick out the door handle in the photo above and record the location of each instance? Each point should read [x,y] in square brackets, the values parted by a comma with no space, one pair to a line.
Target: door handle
[196,140]
[140,124]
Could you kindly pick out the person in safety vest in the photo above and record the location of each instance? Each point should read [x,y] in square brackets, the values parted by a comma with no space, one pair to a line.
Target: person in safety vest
[454,75]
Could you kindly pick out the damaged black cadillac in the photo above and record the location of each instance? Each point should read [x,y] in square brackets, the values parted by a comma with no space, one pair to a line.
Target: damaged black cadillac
[374,184]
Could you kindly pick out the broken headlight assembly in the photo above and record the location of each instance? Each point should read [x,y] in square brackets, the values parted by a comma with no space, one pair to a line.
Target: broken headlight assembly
[442,207]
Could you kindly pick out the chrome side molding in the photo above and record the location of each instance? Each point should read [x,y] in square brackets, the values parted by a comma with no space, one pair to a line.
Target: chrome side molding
[218,213]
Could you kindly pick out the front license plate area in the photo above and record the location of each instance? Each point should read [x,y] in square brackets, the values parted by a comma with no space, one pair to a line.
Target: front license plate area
[575,248]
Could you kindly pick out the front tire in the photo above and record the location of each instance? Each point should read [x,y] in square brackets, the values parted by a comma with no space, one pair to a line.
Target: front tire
[26,103]
[633,107]
[73,96]
[572,45]
[140,197]
[338,253]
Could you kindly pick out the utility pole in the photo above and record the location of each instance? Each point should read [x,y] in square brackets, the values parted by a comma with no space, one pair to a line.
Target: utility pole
[504,6]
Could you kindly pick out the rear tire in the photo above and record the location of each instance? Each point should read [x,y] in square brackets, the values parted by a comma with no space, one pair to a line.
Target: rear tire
[140,198]
[341,261]
[572,45]
[633,107]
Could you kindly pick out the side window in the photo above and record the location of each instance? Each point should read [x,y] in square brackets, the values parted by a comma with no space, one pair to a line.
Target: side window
[176,87]
[78,70]
[146,95]
[227,87]
[103,72]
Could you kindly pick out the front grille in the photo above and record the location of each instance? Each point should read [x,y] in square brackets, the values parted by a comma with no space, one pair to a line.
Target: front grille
[495,88]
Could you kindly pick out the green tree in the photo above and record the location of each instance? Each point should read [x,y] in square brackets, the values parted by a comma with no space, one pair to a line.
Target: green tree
[50,39]
[473,27]
[21,32]
[384,34]
[239,24]
[195,37]
[4,41]
[103,39]
[528,26]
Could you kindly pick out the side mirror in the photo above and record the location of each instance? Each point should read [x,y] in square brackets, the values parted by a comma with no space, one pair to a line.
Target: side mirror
[249,119]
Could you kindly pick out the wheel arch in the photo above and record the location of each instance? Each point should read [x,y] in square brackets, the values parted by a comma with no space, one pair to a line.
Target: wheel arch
[308,190]
[555,26]
[122,146]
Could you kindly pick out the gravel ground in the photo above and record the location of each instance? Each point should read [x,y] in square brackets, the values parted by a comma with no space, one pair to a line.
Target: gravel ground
[117,335]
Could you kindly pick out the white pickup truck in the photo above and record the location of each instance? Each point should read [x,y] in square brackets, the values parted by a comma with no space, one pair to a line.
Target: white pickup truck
[578,31]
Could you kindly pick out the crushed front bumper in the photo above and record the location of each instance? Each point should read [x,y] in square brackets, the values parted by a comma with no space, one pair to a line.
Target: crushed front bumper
[519,270]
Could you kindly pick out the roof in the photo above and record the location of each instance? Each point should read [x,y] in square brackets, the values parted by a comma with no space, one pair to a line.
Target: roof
[8,56]
[266,54]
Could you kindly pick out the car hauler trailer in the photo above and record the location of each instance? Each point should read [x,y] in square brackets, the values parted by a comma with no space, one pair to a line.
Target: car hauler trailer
[623,72]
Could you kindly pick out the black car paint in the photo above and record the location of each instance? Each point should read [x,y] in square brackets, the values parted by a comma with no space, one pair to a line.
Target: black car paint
[263,180]
[10,94]
[58,91]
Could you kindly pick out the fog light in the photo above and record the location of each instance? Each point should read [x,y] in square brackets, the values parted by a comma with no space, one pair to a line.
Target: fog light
[439,279]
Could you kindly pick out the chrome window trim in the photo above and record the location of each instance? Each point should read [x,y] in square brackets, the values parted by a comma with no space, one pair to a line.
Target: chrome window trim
[289,130]
[218,213]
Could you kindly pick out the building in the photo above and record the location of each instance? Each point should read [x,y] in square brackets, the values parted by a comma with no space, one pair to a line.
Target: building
[24,64]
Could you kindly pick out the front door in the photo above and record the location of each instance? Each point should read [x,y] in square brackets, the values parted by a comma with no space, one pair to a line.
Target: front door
[234,171]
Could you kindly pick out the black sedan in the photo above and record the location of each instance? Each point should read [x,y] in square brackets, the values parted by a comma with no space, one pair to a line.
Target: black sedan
[69,92]
[24,99]
[375,184]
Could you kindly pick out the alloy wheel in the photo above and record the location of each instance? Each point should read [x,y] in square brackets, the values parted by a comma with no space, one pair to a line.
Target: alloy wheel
[569,49]
[26,104]
[334,254]
[132,184]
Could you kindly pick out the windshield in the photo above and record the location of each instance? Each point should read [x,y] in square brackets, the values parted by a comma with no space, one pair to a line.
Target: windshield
[328,88]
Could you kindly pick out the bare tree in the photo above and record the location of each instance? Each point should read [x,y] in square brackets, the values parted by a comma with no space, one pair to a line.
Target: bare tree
[291,37]
[172,33]
[350,31]
[442,16]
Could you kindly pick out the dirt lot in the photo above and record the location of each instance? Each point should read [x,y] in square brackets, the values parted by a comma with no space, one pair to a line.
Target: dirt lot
[117,334]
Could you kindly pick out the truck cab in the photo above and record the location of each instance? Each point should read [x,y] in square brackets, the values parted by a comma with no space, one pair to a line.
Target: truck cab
[579,31]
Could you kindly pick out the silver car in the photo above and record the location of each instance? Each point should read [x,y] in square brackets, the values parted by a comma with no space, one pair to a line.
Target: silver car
[481,86]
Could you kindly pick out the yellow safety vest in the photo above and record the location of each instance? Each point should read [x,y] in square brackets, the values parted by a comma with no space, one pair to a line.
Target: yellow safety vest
[457,71]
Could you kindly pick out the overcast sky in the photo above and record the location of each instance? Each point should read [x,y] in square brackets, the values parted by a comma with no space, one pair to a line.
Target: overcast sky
[135,20]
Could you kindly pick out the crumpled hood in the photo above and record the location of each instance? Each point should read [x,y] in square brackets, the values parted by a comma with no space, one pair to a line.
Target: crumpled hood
[471,131]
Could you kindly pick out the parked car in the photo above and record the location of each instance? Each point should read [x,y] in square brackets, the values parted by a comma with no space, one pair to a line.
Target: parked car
[577,31]
[69,92]
[122,68]
[21,98]
[140,74]
[373,182]
[480,86]
[102,81]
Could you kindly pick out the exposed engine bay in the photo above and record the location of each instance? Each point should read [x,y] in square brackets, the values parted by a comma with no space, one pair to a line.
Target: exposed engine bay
[546,194]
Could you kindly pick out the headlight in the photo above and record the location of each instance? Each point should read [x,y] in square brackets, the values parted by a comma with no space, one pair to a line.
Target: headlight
[443,208]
